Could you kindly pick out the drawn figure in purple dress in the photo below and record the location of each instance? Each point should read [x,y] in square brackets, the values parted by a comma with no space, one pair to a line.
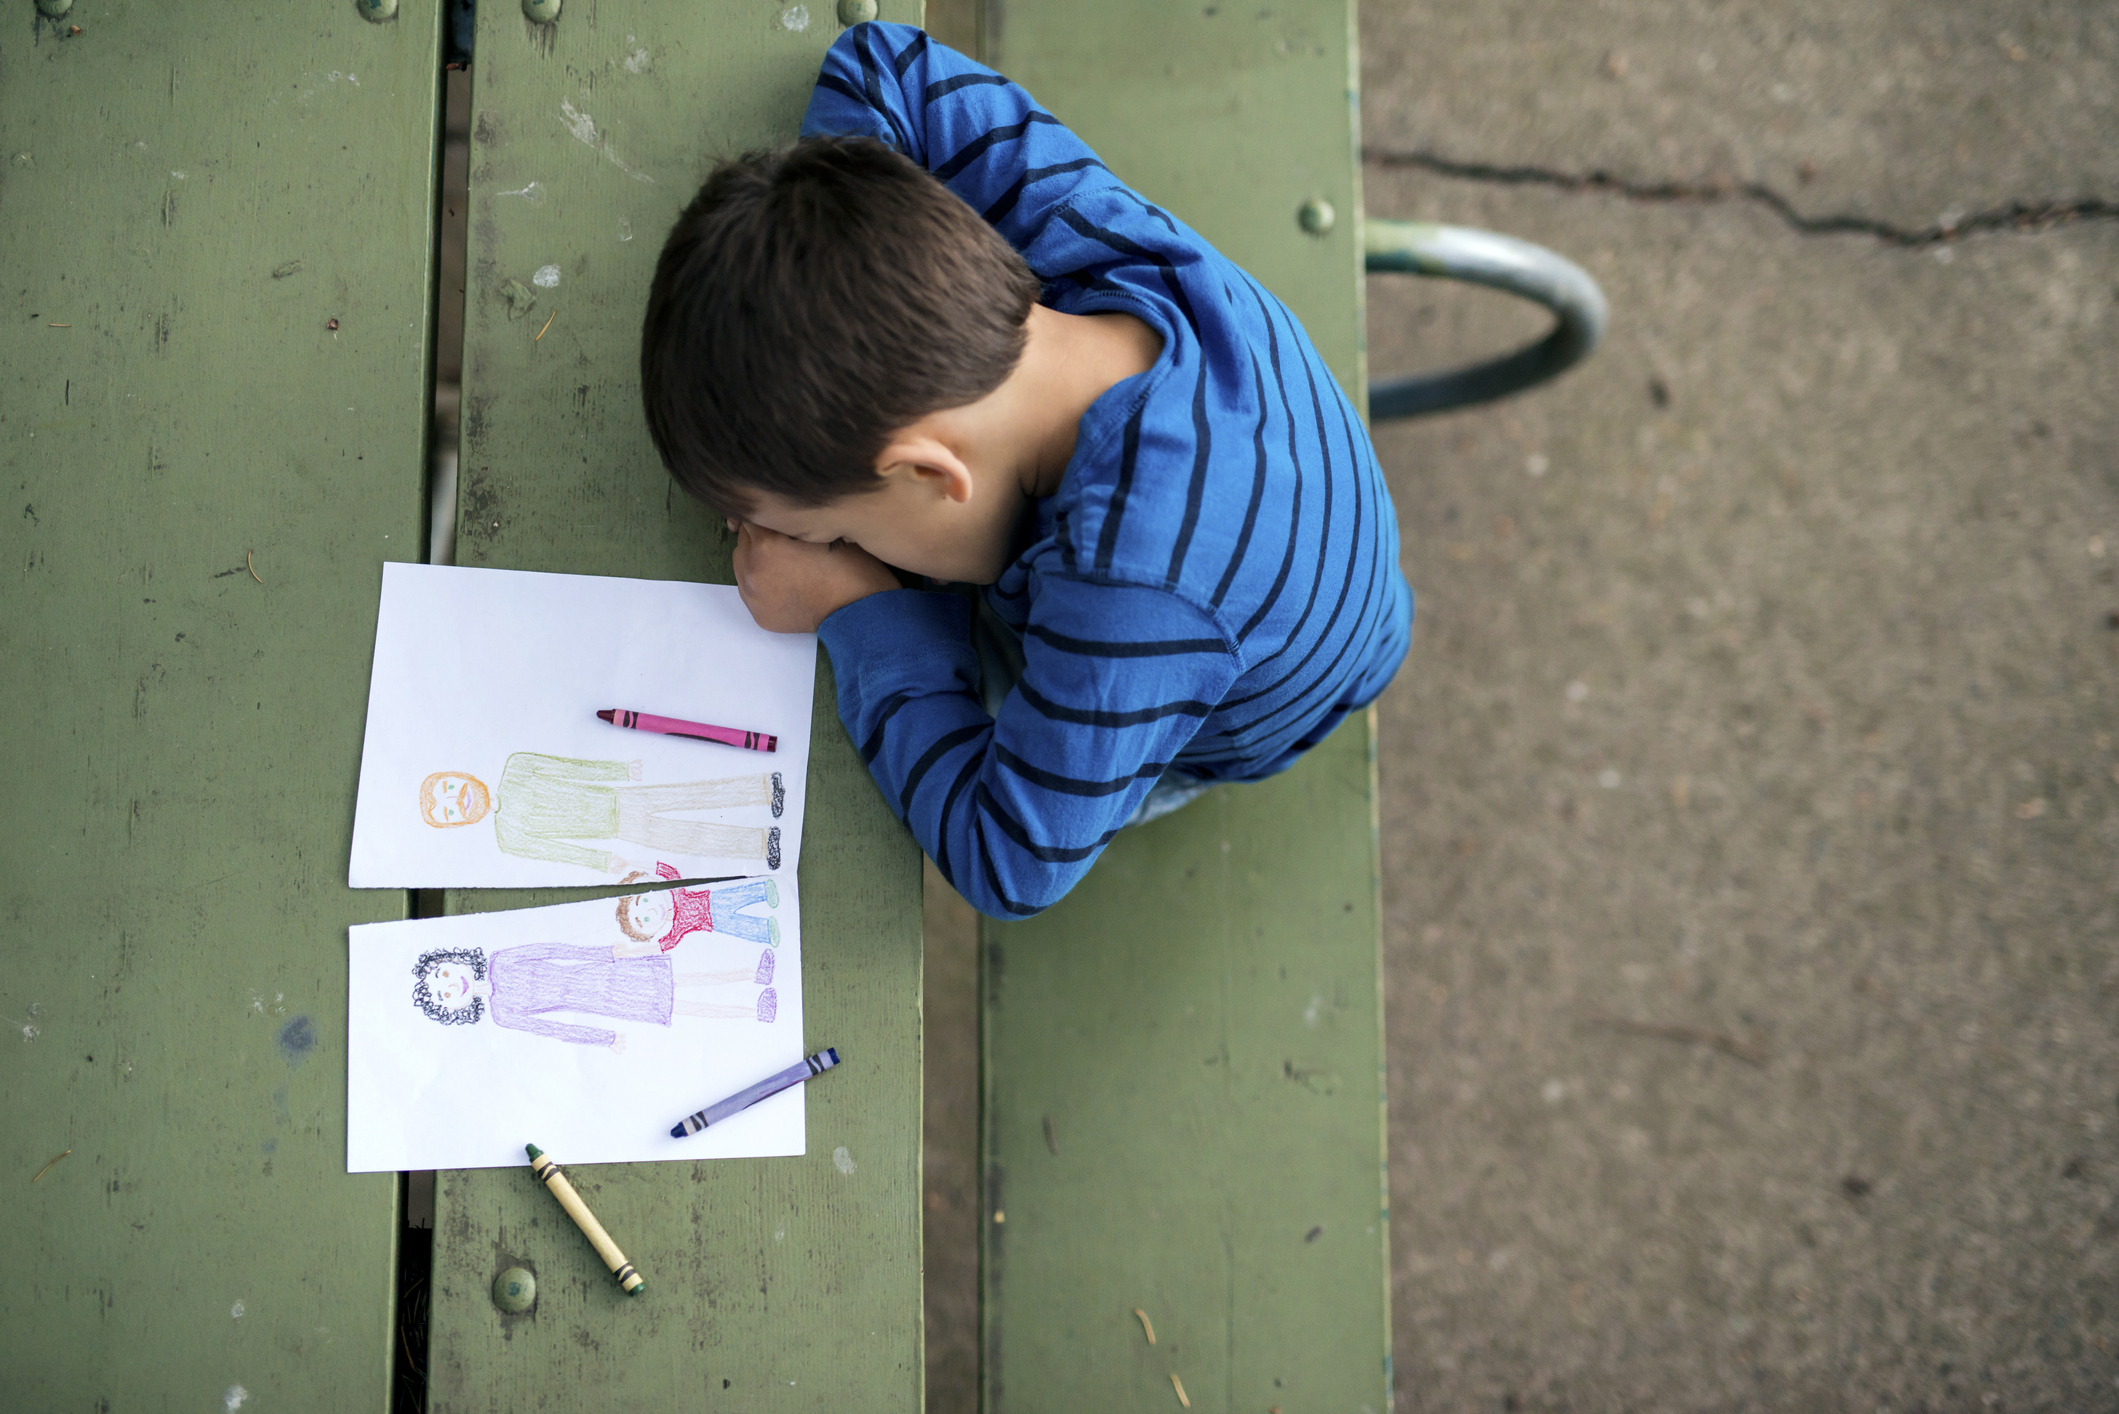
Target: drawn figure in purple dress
[659,921]
[523,986]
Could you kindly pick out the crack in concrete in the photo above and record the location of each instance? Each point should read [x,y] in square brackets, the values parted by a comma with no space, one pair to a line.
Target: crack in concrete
[2011,216]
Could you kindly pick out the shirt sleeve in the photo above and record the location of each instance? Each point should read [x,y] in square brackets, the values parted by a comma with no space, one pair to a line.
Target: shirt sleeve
[550,952]
[557,1030]
[572,768]
[524,956]
[1013,810]
[524,845]
[984,137]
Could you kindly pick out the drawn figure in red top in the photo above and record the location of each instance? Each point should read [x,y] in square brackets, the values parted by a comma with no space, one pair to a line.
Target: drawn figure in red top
[662,919]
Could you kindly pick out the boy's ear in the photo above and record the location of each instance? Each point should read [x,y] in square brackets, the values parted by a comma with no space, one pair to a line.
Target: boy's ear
[923,460]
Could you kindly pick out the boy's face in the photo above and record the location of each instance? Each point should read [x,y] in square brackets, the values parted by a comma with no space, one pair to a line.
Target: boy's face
[910,521]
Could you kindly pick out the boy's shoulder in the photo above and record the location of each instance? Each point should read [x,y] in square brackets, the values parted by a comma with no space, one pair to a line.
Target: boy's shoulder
[1168,483]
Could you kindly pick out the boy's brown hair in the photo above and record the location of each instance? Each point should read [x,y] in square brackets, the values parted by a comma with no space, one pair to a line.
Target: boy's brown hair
[808,304]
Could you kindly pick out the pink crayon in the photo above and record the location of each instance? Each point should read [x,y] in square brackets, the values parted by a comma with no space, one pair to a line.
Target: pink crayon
[697,731]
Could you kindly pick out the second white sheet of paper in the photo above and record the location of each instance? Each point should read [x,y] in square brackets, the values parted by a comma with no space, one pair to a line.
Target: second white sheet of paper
[483,764]
[575,1028]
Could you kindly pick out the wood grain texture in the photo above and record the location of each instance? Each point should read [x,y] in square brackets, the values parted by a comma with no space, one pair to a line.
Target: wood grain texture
[773,1283]
[194,201]
[1200,1023]
[1183,1060]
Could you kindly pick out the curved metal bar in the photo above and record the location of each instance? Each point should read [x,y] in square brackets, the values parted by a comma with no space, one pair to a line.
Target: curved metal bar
[1501,263]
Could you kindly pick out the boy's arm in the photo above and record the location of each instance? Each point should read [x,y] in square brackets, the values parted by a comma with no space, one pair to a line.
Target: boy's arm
[1013,811]
[984,137]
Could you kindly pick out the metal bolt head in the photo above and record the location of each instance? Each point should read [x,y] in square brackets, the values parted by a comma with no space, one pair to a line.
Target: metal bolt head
[515,1290]
[1316,216]
[856,12]
[541,11]
[376,11]
[52,9]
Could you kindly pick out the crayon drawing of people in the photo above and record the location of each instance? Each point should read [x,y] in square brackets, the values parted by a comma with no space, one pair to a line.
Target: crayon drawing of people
[522,986]
[657,922]
[547,805]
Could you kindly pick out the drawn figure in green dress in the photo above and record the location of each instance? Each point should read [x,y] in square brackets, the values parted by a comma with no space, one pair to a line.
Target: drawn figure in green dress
[547,805]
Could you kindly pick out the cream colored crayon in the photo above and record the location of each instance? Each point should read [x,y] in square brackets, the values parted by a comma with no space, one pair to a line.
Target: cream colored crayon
[549,1175]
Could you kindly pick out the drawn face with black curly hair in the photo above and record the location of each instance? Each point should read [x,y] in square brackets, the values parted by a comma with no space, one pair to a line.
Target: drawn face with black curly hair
[451,986]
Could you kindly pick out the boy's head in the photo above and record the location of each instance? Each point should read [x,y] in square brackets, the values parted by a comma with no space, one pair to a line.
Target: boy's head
[808,304]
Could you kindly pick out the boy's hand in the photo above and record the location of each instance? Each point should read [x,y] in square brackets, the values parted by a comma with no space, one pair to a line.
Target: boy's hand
[791,586]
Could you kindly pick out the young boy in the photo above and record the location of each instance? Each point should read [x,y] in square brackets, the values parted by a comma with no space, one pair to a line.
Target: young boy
[939,336]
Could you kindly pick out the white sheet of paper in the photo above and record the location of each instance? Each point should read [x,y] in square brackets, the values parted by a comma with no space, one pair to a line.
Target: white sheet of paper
[425,1095]
[483,700]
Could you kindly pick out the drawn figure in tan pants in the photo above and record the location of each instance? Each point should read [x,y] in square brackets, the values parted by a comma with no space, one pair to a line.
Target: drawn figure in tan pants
[547,805]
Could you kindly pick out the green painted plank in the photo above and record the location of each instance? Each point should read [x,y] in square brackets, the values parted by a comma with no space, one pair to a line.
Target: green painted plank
[795,1281]
[196,199]
[1200,1021]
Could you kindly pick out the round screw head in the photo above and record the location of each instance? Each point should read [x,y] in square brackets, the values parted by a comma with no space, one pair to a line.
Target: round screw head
[52,9]
[1317,216]
[856,12]
[515,1290]
[376,11]
[541,11]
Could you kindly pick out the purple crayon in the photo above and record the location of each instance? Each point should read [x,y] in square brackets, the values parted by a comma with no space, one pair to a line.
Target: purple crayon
[794,1075]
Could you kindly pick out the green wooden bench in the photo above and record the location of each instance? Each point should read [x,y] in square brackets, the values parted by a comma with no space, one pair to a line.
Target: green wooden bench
[1183,1060]
[777,1283]
[205,475]
[219,242]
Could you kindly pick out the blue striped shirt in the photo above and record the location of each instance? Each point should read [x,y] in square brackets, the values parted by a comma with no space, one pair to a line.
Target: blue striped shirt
[1215,584]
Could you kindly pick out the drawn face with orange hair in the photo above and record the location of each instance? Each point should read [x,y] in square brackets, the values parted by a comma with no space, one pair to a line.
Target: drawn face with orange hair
[451,798]
[644,917]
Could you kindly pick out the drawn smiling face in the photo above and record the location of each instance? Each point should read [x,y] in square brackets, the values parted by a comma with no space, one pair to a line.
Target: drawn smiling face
[451,798]
[451,985]
[646,917]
